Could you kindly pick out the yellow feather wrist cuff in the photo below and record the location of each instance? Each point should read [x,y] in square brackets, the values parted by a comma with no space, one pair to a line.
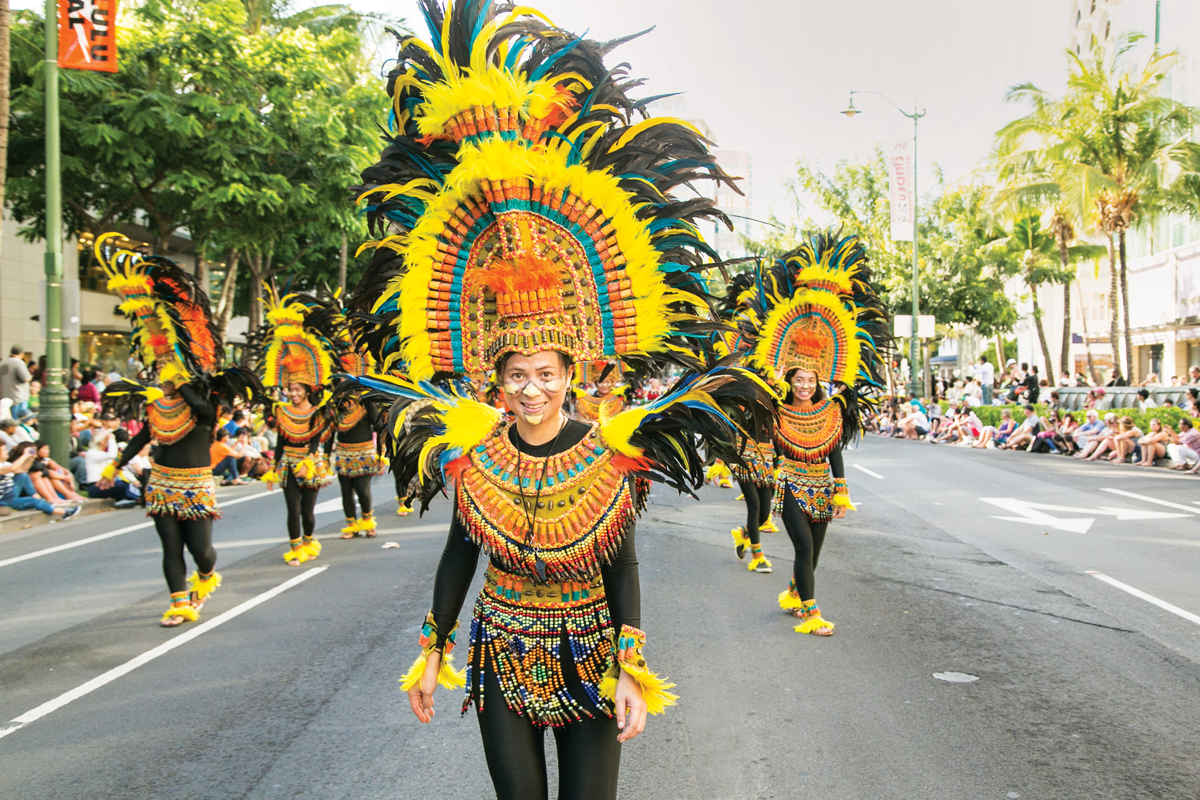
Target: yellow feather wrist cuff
[430,641]
[109,473]
[270,477]
[841,494]
[629,644]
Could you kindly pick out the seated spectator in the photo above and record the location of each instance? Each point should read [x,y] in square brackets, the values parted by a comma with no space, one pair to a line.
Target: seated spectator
[8,430]
[1184,446]
[1151,380]
[1154,444]
[936,418]
[1193,374]
[1082,433]
[994,436]
[110,423]
[914,424]
[100,453]
[1054,403]
[53,482]
[1145,401]
[16,490]
[224,459]
[1067,381]
[1192,402]
[1043,441]
[1064,433]
[250,454]
[1094,398]
[1176,380]
[1025,433]
[1119,444]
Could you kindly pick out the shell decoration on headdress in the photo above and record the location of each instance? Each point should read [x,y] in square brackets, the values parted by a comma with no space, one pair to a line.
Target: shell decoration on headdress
[173,332]
[520,207]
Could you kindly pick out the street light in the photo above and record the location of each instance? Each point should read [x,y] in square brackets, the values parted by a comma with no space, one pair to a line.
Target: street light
[914,386]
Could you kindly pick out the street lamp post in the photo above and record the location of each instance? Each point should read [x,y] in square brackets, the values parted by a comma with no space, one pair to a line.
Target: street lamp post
[914,384]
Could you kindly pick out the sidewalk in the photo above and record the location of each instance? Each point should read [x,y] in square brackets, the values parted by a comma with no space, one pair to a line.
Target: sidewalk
[22,520]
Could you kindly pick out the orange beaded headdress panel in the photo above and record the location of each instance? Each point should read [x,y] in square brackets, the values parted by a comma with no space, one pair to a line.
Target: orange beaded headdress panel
[822,314]
[521,205]
[305,340]
[173,332]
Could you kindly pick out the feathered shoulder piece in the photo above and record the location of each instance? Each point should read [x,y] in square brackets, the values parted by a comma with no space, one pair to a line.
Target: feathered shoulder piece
[521,206]
[429,426]
[304,340]
[703,416]
[173,330]
[127,398]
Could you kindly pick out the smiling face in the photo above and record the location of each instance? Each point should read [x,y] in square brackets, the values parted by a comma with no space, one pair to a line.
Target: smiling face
[535,386]
[804,385]
[605,387]
[297,393]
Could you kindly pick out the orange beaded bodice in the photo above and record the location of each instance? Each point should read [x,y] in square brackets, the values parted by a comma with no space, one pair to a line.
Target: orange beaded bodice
[351,417]
[299,427]
[579,514]
[809,434]
[588,406]
[170,419]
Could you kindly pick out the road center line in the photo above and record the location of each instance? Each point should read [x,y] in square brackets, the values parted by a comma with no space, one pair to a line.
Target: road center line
[1149,598]
[869,472]
[1155,500]
[148,656]
[102,536]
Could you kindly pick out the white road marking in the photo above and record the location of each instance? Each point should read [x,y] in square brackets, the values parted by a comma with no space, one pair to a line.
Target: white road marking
[1034,513]
[328,505]
[1154,500]
[1149,598]
[148,656]
[102,536]
[869,472]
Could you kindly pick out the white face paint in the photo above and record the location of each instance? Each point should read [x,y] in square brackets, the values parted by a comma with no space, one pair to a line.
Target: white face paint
[535,386]
[532,391]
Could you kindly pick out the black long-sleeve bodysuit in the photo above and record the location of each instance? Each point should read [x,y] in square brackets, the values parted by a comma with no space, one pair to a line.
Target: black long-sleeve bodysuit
[358,486]
[588,751]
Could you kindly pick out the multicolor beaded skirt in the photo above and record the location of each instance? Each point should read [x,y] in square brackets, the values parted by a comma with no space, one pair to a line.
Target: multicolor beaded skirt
[811,485]
[357,459]
[759,468]
[292,457]
[517,632]
[185,493]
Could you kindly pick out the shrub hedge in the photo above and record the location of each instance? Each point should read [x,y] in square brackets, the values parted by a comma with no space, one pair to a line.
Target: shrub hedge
[990,415]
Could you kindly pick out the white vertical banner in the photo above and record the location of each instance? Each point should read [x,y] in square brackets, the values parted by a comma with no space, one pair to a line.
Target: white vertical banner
[898,153]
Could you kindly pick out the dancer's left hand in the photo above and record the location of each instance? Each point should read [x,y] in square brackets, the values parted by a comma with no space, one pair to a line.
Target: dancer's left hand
[629,702]
[839,512]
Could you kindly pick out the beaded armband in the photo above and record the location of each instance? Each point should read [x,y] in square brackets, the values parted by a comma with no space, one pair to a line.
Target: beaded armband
[430,641]
[627,650]
[841,494]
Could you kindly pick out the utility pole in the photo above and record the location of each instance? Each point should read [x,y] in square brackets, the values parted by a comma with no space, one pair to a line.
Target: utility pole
[54,413]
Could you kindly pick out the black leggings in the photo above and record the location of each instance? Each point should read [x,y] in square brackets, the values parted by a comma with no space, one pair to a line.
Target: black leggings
[589,755]
[359,485]
[300,505]
[175,533]
[758,507]
[807,537]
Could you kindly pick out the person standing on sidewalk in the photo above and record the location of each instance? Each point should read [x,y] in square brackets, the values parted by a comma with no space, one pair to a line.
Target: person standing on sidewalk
[14,381]
[987,377]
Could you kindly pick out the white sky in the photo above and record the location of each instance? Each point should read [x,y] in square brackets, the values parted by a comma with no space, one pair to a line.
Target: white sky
[770,76]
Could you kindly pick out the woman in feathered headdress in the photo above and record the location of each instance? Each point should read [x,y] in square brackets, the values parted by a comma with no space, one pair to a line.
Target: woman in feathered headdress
[175,339]
[355,456]
[530,225]
[755,473]
[822,330]
[607,399]
[302,344]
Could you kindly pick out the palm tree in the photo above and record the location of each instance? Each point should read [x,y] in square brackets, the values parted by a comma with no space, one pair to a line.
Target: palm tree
[1113,144]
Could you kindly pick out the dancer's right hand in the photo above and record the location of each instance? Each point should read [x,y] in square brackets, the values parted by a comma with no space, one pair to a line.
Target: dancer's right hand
[420,697]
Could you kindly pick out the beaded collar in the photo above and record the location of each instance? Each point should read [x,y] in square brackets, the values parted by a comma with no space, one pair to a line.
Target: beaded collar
[809,434]
[588,406]
[584,510]
[170,419]
[297,426]
[351,418]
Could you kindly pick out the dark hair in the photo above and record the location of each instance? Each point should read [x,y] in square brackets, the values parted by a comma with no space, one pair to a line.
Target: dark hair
[1024,366]
[15,350]
[1194,393]
[1185,421]
[817,397]
[8,422]
[39,444]
[222,434]
[19,450]
[239,414]
[567,361]
[1143,392]
[244,431]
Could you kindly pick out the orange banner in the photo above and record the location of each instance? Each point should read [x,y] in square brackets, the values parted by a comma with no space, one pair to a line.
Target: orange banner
[87,35]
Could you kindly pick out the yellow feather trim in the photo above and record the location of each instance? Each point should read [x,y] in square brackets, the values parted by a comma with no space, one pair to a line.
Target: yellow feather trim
[787,602]
[171,372]
[271,476]
[447,675]
[187,612]
[109,473]
[813,624]
[654,688]
[296,554]
[203,587]
[312,549]
[843,500]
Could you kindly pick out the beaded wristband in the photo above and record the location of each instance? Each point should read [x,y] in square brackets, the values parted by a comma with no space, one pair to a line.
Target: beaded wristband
[627,648]
[431,640]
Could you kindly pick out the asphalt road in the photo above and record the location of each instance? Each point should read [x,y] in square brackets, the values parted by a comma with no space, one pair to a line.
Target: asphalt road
[1084,690]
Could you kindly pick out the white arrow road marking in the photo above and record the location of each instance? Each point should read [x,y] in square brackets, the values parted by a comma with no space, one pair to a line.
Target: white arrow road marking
[1033,516]
[1154,500]
[1034,513]
[148,656]
[1149,598]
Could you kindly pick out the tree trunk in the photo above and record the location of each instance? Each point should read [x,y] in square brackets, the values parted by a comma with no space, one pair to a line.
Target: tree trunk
[1087,342]
[1041,332]
[1000,358]
[256,271]
[201,271]
[342,268]
[1064,256]
[1114,312]
[228,291]
[1125,309]
[5,20]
